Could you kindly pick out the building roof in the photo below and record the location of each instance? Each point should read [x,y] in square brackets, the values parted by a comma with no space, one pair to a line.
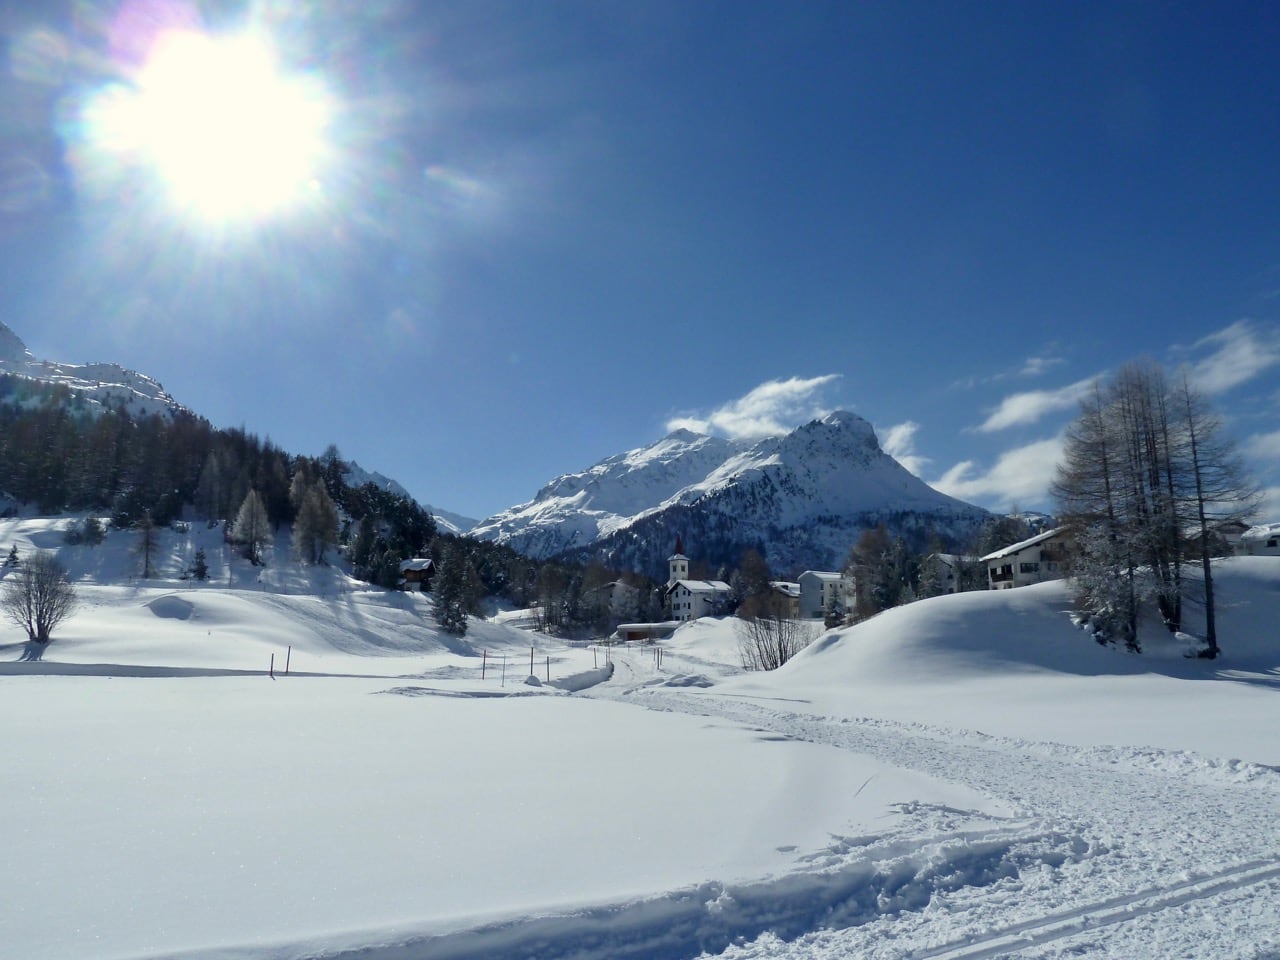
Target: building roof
[825,575]
[786,587]
[702,586]
[1263,531]
[1019,547]
[418,563]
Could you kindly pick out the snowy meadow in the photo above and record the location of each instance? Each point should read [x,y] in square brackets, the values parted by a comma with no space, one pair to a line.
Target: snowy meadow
[964,777]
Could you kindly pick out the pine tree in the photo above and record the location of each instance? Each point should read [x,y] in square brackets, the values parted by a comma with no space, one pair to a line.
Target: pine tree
[251,528]
[12,560]
[315,529]
[200,566]
[148,544]
[450,590]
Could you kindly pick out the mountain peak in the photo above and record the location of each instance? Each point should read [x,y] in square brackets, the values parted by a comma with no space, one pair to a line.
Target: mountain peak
[12,349]
[806,496]
[684,435]
[851,423]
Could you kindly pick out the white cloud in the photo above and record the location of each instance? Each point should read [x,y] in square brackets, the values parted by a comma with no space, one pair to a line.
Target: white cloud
[1239,353]
[1264,446]
[771,409]
[1028,407]
[899,443]
[1031,367]
[1019,477]
[1035,366]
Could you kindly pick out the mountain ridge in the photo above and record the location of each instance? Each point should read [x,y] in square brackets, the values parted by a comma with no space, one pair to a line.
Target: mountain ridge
[803,497]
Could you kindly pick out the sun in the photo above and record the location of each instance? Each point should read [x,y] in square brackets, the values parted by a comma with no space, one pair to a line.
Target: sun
[223,127]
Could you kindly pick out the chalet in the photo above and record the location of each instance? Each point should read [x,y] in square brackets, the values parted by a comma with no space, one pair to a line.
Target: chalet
[786,598]
[1043,557]
[1262,540]
[822,592]
[416,574]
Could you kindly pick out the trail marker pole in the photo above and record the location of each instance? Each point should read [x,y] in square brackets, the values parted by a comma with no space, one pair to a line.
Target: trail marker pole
[548,668]
[484,659]
[531,661]
[504,669]
[272,669]
[288,656]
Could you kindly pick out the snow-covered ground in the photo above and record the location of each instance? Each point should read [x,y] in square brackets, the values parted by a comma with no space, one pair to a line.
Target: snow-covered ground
[965,777]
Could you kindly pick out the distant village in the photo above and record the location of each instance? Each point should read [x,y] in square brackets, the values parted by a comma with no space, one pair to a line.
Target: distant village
[832,596]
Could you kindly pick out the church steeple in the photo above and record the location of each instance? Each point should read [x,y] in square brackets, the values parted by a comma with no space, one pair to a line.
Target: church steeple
[677,563]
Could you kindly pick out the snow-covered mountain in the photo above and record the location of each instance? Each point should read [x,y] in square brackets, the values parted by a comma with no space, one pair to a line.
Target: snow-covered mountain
[109,386]
[445,519]
[102,385]
[804,497]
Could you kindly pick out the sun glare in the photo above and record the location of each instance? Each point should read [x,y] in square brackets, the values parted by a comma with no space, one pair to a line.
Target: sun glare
[229,134]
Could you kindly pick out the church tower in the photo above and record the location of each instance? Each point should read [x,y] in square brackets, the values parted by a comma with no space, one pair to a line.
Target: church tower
[677,563]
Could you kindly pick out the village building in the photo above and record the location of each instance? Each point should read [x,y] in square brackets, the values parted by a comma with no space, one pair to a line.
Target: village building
[786,598]
[1043,557]
[689,599]
[416,574]
[943,571]
[1262,540]
[823,592]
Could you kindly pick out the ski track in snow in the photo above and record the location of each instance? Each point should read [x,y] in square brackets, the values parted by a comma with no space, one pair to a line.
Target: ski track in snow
[1096,820]
[1110,852]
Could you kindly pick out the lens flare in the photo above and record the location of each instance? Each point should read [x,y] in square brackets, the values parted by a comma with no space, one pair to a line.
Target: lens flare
[224,128]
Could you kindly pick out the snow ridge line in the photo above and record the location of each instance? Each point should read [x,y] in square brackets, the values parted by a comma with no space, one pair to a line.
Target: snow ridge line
[1068,923]
[704,919]
[1175,764]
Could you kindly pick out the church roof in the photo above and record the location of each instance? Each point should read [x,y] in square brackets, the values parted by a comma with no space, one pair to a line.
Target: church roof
[702,586]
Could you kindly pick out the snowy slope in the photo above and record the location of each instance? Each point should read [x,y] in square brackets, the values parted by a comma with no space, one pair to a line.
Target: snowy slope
[579,508]
[102,385]
[805,496]
[445,519]
[967,777]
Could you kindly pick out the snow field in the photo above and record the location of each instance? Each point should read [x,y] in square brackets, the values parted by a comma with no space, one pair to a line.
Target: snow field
[964,777]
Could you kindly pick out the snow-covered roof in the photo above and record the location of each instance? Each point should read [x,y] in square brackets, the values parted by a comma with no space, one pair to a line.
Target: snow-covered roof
[702,586]
[1263,531]
[825,575]
[786,587]
[1019,547]
[418,563]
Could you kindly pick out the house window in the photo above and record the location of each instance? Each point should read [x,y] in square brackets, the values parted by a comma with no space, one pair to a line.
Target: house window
[1271,542]
[1028,568]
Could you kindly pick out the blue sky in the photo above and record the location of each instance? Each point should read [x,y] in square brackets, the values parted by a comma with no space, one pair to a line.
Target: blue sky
[538,234]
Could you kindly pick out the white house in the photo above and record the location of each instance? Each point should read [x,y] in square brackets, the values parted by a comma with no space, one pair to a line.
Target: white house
[1262,540]
[1043,557]
[821,591]
[689,599]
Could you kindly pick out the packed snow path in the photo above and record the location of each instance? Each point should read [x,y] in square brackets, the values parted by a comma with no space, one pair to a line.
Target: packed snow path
[1118,852]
